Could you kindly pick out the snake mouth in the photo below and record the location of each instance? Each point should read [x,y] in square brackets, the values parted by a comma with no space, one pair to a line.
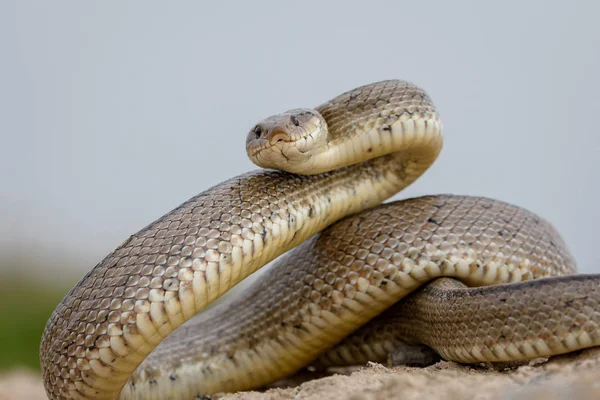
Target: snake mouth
[280,154]
[255,149]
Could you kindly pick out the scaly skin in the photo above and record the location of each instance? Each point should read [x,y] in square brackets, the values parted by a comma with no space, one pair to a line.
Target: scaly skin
[323,290]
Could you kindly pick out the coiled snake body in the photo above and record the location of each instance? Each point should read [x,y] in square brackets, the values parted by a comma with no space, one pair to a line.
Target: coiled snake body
[346,156]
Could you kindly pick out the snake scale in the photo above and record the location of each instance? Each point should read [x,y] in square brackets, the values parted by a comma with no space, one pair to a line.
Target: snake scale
[352,263]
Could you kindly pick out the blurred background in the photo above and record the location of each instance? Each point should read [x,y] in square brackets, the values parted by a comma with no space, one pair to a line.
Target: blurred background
[114,113]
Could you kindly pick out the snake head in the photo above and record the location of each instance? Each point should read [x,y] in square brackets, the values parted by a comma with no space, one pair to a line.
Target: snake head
[288,141]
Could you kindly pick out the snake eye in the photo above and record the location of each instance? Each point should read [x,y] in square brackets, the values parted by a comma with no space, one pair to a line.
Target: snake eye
[295,120]
[257,131]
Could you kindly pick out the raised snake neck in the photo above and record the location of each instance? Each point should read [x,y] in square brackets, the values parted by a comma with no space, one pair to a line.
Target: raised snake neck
[176,266]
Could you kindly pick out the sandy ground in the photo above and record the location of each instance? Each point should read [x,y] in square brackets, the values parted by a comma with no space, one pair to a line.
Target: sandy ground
[21,384]
[568,377]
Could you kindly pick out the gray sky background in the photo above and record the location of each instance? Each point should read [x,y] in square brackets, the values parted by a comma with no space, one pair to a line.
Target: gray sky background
[113,113]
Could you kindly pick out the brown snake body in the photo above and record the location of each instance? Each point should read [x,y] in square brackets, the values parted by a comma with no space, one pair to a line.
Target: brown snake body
[359,149]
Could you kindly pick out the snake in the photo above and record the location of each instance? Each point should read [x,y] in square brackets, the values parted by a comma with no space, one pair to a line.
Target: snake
[353,279]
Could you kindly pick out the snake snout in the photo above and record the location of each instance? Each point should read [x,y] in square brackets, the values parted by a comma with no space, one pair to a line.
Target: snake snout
[264,136]
[288,141]
[276,135]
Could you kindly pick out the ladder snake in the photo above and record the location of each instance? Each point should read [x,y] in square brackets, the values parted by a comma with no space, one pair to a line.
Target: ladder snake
[353,261]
